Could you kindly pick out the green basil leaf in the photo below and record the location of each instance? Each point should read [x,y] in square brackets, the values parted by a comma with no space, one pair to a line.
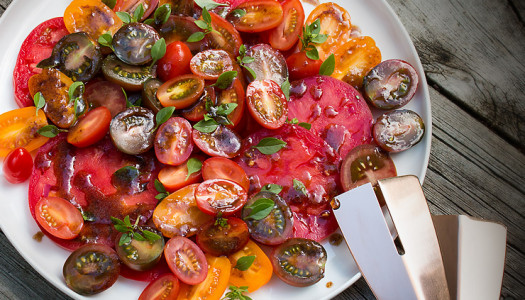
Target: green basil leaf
[124,239]
[72,92]
[159,186]
[158,50]
[225,79]
[138,13]
[293,121]
[206,15]
[137,236]
[110,3]
[245,262]
[161,196]
[328,66]
[124,16]
[195,37]
[260,209]
[201,24]
[226,109]
[106,40]
[194,165]
[150,235]
[239,13]
[270,145]
[247,60]
[319,39]
[164,115]
[149,22]
[121,228]
[87,216]
[285,87]
[39,101]
[117,221]
[315,27]
[252,72]
[299,186]
[242,50]
[162,14]
[126,174]
[127,221]
[208,4]
[49,131]
[313,54]
[272,188]
[305,125]
[206,126]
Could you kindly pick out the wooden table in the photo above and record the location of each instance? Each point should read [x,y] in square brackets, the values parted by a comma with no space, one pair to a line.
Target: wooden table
[473,52]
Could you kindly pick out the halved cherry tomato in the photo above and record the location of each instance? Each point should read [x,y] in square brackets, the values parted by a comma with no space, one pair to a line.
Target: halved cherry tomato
[131,78]
[355,59]
[186,260]
[300,66]
[366,163]
[166,287]
[234,94]
[59,217]
[18,165]
[181,91]
[267,103]
[335,22]
[220,196]
[92,17]
[223,239]
[149,94]
[398,130]
[209,64]
[130,6]
[178,213]
[107,94]
[223,168]
[91,128]
[258,274]
[18,128]
[216,282]
[175,62]
[286,34]
[37,46]
[196,112]
[132,130]
[260,15]
[173,143]
[176,177]
[140,255]
[133,42]
[267,63]
[221,142]
[180,28]
[224,36]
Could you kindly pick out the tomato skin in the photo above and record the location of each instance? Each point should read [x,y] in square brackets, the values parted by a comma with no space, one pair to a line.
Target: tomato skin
[220,195]
[166,287]
[18,165]
[226,36]
[286,34]
[260,15]
[300,66]
[91,16]
[186,260]
[267,103]
[105,93]
[37,46]
[175,62]
[130,6]
[223,168]
[176,177]
[218,240]
[215,284]
[258,274]
[59,217]
[18,128]
[173,143]
[91,128]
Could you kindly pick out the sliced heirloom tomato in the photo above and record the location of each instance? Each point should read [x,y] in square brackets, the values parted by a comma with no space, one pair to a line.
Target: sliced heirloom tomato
[107,94]
[173,143]
[59,217]
[216,282]
[18,165]
[286,34]
[222,142]
[37,46]
[355,59]
[223,237]
[175,62]
[91,128]
[176,177]
[224,36]
[223,196]
[186,260]
[181,91]
[19,128]
[133,42]
[130,6]
[223,168]
[178,214]
[259,15]
[92,17]
[166,287]
[258,274]
[267,103]
[209,64]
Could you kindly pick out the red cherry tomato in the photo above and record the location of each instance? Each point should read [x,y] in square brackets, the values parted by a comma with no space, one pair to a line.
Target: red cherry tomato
[220,195]
[91,128]
[267,103]
[223,168]
[286,34]
[176,177]
[59,217]
[300,66]
[221,142]
[18,165]
[105,93]
[260,15]
[173,143]
[175,62]
[233,94]
[163,288]
[186,260]
[209,64]
[224,36]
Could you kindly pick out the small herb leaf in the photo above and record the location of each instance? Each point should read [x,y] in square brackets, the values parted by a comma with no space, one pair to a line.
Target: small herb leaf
[260,209]
[110,3]
[158,50]
[72,92]
[225,79]
[236,293]
[194,165]
[49,131]
[159,186]
[206,15]
[245,262]
[305,125]
[206,126]
[328,66]
[201,24]
[39,101]
[239,13]
[195,37]
[124,16]
[150,236]
[285,87]
[124,239]
[208,4]
[106,39]
[270,145]
[313,54]
[163,115]
[138,13]
[272,188]
[299,186]
[162,14]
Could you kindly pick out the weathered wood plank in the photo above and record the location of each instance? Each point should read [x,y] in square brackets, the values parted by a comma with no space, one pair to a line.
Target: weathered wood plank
[473,50]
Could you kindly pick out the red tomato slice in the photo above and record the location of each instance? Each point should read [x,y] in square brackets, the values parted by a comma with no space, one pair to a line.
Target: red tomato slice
[337,112]
[163,288]
[223,168]
[173,143]
[176,177]
[186,260]
[220,196]
[91,128]
[37,46]
[286,34]
[18,165]
[267,103]
[260,15]
[130,6]
[59,217]
[222,142]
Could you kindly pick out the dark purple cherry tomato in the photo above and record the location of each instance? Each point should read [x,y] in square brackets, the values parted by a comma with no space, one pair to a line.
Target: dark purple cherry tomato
[173,142]
[18,165]
[398,130]
[105,93]
[268,63]
[133,43]
[132,130]
[140,255]
[226,238]
[221,142]
[209,64]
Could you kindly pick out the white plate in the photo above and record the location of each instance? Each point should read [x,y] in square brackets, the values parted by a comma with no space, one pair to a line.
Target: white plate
[374,17]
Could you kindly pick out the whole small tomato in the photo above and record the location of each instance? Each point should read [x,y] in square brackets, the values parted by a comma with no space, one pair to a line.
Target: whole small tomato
[175,62]
[300,66]
[18,165]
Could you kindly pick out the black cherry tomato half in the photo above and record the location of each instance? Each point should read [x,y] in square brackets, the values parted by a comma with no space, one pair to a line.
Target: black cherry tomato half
[133,43]
[91,269]
[220,196]
[105,93]
[398,130]
[127,76]
[224,36]
[221,142]
[132,130]
[268,63]
[180,28]
[91,128]
[267,103]
[275,228]
[18,165]
[166,287]
[299,262]
[209,64]
[234,94]
[173,142]
[286,34]
[223,239]
[365,163]
[223,168]
[260,15]
[149,94]
[59,217]
[186,260]
[391,84]
[181,91]
[175,62]
[300,66]
[130,6]
[140,255]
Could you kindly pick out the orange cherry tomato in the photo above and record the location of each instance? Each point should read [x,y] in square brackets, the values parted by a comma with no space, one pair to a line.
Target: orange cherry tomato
[224,36]
[176,177]
[223,168]
[18,128]
[91,128]
[335,22]
[354,59]
[286,34]
[258,274]
[166,287]
[213,286]
[181,91]
[59,217]
[92,17]
[260,15]
[178,214]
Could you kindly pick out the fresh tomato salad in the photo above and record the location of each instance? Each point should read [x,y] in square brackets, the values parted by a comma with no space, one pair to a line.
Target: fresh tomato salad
[173,141]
